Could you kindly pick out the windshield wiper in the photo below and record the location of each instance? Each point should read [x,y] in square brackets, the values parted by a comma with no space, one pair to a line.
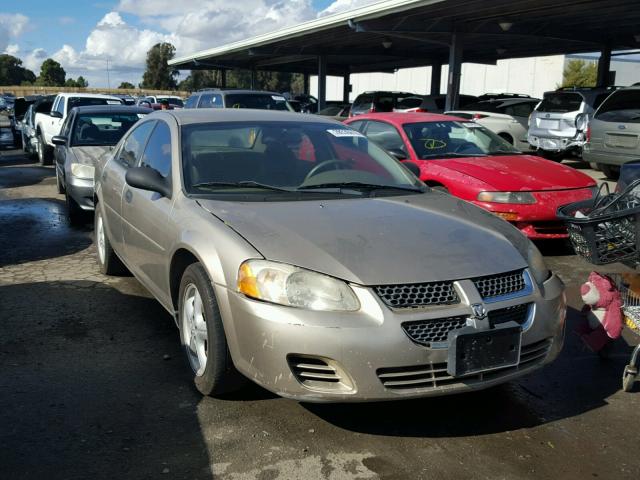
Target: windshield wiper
[360,185]
[243,184]
[505,152]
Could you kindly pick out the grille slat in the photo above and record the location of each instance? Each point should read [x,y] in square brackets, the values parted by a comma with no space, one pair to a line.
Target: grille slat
[432,376]
[418,295]
[425,332]
[501,284]
[517,313]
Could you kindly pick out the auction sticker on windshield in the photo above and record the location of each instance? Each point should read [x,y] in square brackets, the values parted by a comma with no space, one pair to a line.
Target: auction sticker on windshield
[345,133]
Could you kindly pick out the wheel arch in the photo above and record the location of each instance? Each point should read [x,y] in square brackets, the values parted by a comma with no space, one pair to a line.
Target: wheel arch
[180,260]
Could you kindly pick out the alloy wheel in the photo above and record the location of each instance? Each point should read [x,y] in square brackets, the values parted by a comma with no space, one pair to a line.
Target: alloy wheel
[195,336]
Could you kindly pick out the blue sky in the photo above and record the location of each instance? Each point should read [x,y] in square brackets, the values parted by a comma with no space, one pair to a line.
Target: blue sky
[83,35]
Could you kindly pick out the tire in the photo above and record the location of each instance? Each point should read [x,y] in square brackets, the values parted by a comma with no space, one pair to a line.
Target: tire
[108,260]
[609,171]
[594,166]
[553,156]
[75,214]
[59,186]
[506,137]
[628,378]
[202,335]
[44,151]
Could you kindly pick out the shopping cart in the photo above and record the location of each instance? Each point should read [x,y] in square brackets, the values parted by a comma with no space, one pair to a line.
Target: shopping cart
[606,229]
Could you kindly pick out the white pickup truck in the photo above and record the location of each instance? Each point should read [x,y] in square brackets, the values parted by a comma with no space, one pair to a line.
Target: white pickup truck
[49,124]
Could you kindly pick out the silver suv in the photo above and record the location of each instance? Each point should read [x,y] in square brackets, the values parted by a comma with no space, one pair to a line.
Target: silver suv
[557,126]
[613,137]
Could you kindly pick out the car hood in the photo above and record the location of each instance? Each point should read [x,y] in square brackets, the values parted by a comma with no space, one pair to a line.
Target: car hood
[519,173]
[90,155]
[375,241]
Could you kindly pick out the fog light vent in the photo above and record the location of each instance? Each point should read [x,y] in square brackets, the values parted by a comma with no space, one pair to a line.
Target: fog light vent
[319,373]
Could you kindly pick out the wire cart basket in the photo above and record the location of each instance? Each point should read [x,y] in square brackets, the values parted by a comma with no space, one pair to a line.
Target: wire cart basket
[606,229]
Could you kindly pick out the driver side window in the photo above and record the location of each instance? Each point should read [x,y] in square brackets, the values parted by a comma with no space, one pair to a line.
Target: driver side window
[134,144]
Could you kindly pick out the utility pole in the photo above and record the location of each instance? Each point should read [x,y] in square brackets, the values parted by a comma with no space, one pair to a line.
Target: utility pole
[108,78]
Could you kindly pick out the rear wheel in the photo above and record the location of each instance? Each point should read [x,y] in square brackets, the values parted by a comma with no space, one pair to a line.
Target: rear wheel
[202,335]
[609,171]
[108,260]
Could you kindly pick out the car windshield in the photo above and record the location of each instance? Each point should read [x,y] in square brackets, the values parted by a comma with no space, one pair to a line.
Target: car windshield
[560,102]
[176,102]
[284,157]
[451,139]
[102,128]
[262,101]
[623,106]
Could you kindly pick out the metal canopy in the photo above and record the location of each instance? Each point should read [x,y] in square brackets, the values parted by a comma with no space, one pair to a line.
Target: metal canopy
[398,34]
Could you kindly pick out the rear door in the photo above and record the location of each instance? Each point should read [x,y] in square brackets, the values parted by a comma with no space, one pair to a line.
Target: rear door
[517,124]
[113,183]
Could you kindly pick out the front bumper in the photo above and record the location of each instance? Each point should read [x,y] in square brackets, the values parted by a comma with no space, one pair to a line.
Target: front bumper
[81,190]
[365,348]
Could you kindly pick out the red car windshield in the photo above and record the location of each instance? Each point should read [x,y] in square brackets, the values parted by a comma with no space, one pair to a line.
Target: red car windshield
[447,139]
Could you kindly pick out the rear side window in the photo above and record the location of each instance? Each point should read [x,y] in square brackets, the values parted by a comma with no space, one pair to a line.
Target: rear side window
[210,100]
[384,103]
[484,107]
[257,101]
[409,102]
[621,106]
[363,102]
[557,102]
[157,154]
[519,109]
[134,144]
[191,102]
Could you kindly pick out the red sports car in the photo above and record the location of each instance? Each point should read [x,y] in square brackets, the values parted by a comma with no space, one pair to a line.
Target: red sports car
[474,164]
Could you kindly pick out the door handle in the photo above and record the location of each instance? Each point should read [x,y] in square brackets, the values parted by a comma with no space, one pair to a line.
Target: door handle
[128,196]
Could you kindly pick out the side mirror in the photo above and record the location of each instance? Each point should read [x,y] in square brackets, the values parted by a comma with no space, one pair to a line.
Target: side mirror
[55,114]
[149,179]
[59,140]
[412,167]
[397,153]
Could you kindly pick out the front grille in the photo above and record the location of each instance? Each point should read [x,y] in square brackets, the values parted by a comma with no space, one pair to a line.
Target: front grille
[500,284]
[434,375]
[550,228]
[418,295]
[312,369]
[517,313]
[424,332]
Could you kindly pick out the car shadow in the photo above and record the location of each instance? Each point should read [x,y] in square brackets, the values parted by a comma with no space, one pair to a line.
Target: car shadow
[36,229]
[577,382]
[15,158]
[25,175]
[94,385]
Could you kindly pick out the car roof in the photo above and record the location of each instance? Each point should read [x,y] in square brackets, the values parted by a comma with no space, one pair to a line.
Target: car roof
[238,90]
[88,95]
[402,118]
[112,108]
[190,116]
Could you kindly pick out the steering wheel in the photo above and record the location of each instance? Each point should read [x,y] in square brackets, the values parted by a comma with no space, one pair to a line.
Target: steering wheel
[323,166]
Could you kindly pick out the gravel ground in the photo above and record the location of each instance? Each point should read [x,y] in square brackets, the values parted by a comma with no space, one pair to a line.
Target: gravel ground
[93,385]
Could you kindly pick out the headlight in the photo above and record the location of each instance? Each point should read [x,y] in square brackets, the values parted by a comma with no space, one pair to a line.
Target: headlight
[536,263]
[506,197]
[80,170]
[295,287]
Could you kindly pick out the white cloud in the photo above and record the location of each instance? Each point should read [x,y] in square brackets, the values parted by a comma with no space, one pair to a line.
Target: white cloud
[344,5]
[33,60]
[12,49]
[12,25]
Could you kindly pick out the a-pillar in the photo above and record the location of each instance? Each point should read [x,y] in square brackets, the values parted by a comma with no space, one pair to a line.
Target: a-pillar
[604,65]
[436,74]
[346,87]
[322,82]
[455,67]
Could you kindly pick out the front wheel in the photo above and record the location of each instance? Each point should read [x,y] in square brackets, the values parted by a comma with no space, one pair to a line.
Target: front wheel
[59,186]
[202,335]
[609,171]
[44,151]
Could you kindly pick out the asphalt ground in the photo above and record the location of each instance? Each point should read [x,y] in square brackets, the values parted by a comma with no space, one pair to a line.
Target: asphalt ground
[93,385]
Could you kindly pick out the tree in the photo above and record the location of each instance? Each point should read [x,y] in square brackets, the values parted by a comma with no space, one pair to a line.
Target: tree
[158,75]
[51,74]
[82,82]
[127,86]
[580,73]
[13,73]
[70,82]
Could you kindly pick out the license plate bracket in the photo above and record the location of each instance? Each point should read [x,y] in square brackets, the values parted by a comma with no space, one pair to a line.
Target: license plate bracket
[473,351]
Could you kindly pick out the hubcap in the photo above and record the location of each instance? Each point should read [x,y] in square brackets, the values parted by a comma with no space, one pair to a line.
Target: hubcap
[100,238]
[194,329]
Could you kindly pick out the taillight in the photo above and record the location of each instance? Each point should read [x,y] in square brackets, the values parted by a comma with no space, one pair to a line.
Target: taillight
[587,134]
[372,110]
[478,116]
[420,110]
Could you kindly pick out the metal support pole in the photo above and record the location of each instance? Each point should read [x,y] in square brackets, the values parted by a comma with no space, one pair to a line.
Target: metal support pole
[223,78]
[436,74]
[254,79]
[455,66]
[346,87]
[305,80]
[322,81]
[604,65]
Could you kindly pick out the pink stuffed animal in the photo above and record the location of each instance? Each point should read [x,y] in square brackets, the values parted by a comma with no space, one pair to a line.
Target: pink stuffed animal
[602,310]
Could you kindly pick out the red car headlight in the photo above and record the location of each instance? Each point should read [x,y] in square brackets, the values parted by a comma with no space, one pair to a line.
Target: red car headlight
[507,197]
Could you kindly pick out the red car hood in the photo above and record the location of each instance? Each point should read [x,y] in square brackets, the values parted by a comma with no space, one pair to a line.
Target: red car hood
[519,172]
